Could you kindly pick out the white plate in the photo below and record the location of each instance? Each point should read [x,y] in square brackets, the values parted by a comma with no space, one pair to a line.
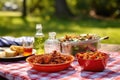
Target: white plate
[20,57]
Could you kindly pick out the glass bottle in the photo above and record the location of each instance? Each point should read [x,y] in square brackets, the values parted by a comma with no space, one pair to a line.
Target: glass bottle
[52,44]
[39,40]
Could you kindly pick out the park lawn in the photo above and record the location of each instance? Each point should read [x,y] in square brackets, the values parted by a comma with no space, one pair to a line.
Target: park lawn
[18,26]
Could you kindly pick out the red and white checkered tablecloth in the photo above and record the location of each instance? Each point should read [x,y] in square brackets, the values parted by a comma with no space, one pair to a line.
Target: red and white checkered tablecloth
[21,70]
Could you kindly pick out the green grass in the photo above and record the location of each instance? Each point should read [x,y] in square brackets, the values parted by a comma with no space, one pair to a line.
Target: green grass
[18,26]
[10,13]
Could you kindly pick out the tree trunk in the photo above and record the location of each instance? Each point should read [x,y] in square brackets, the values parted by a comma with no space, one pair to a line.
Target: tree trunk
[62,8]
[24,12]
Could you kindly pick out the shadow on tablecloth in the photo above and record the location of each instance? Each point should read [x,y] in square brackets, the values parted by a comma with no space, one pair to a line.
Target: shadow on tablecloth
[106,74]
[33,74]
[2,78]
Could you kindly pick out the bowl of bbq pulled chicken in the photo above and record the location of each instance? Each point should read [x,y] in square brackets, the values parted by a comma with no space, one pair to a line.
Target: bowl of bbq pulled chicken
[52,62]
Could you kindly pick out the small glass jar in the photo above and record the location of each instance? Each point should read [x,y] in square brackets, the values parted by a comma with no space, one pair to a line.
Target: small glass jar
[52,44]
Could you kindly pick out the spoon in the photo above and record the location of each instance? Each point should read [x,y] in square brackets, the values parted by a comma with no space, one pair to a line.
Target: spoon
[104,38]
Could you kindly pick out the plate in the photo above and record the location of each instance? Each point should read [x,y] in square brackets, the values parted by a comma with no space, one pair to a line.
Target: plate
[16,58]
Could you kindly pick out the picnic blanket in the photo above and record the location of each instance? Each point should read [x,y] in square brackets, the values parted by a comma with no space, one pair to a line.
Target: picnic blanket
[7,41]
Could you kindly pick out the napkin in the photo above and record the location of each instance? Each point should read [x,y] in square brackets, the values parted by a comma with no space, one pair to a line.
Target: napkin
[7,41]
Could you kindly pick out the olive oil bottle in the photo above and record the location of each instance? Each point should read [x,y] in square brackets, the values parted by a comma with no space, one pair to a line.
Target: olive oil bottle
[39,40]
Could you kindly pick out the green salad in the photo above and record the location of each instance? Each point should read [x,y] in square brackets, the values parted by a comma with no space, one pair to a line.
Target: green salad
[81,43]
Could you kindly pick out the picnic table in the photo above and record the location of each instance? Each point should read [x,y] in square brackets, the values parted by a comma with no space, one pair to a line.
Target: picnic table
[21,70]
[110,47]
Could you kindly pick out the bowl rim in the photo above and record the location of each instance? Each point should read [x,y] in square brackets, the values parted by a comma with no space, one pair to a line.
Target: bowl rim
[97,39]
[45,65]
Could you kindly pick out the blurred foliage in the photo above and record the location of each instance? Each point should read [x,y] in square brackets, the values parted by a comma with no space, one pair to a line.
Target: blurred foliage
[107,8]
[40,7]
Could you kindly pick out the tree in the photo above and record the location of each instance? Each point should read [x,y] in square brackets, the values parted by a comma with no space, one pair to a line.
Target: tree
[61,8]
[106,8]
[24,13]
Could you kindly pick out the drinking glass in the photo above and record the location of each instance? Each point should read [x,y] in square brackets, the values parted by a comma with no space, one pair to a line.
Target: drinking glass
[28,47]
[66,47]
